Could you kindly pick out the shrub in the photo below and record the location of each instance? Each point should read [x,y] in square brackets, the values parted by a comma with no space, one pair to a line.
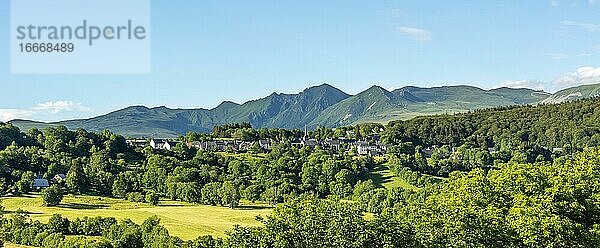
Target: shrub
[152,198]
[52,195]
[58,224]
[135,197]
[53,240]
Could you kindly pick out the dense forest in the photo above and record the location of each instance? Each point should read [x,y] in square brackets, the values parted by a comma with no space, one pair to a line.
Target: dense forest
[514,177]
[517,205]
[571,125]
[102,164]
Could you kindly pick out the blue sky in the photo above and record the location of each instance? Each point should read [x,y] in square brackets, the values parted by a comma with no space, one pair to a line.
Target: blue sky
[205,52]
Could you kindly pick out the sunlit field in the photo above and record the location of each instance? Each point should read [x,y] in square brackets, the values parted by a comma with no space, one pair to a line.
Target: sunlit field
[185,220]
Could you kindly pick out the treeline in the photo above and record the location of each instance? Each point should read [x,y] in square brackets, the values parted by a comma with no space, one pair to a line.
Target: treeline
[102,164]
[284,173]
[90,159]
[244,132]
[441,161]
[514,205]
[95,232]
[572,125]
[439,145]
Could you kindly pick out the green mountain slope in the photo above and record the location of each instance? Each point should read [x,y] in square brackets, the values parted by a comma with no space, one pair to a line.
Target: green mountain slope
[379,105]
[276,110]
[281,110]
[374,104]
[322,105]
[575,93]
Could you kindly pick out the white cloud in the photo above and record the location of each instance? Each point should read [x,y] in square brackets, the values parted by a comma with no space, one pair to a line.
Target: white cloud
[554,3]
[58,106]
[11,114]
[416,33]
[535,85]
[587,26]
[46,109]
[583,75]
[556,56]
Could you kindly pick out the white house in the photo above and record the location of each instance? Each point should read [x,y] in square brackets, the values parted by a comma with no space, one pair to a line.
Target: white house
[364,148]
[265,144]
[162,144]
[141,143]
[333,144]
[59,178]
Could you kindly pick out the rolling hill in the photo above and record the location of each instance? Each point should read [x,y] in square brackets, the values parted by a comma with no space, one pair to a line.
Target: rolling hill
[322,105]
[575,93]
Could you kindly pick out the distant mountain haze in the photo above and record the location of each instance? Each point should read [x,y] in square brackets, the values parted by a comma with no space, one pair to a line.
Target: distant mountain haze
[322,105]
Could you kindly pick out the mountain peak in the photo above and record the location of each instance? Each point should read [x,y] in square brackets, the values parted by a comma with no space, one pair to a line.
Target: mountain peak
[135,108]
[323,85]
[378,90]
[138,107]
[373,87]
[322,88]
[226,104]
[161,108]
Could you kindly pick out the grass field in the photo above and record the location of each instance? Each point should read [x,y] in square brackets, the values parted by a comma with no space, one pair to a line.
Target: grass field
[7,245]
[382,175]
[185,220]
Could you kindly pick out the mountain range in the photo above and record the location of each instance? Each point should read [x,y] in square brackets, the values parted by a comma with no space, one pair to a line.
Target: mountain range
[322,105]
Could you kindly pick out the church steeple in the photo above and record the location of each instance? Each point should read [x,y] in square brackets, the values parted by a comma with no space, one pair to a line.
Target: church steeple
[305,132]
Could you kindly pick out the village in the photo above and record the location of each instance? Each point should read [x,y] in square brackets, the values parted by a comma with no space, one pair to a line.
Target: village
[371,147]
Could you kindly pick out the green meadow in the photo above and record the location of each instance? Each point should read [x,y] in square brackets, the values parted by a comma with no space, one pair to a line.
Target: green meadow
[185,220]
[382,175]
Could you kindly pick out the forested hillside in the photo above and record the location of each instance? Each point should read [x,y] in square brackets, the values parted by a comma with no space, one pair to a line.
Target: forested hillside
[504,177]
[570,125]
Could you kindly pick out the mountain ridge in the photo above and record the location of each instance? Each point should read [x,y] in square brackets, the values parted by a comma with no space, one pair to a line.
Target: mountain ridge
[574,93]
[320,105]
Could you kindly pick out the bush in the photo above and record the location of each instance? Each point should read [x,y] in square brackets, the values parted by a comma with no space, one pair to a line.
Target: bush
[53,240]
[39,238]
[135,197]
[230,195]
[23,186]
[152,198]
[52,195]
[58,224]
[210,194]
[252,193]
[93,226]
